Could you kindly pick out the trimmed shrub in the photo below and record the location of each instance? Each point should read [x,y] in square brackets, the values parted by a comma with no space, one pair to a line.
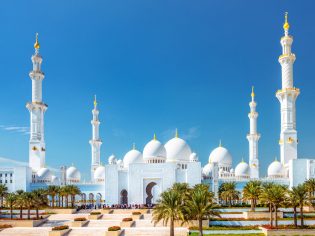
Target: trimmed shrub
[114,228]
[80,219]
[127,219]
[58,228]
[136,213]
[95,213]
[5,226]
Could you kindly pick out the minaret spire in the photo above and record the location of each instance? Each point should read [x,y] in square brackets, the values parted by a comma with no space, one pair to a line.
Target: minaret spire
[37,108]
[287,97]
[95,141]
[253,138]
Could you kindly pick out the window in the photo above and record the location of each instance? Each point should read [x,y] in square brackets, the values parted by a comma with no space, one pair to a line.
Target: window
[11,181]
[6,181]
[11,174]
[6,175]
[1,181]
[0,175]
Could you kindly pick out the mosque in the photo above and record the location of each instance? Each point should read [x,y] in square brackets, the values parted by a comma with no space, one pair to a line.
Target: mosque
[139,177]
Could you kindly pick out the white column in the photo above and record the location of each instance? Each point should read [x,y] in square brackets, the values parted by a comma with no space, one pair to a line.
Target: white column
[287,96]
[253,138]
[95,141]
[37,108]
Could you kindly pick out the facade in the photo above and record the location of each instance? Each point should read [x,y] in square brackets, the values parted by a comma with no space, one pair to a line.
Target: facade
[140,177]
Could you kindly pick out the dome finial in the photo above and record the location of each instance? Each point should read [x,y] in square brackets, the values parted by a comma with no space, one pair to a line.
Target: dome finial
[242,160]
[286,24]
[36,44]
[176,133]
[220,143]
[95,101]
[154,136]
[134,146]
[276,159]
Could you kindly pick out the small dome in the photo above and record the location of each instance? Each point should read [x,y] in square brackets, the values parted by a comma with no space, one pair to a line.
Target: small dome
[231,170]
[133,156]
[242,170]
[193,157]
[120,163]
[44,174]
[154,149]
[112,160]
[207,170]
[222,156]
[73,174]
[177,150]
[275,169]
[99,173]
[54,179]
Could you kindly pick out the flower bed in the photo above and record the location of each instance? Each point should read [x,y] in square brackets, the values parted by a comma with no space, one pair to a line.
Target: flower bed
[127,219]
[224,227]
[288,230]
[135,213]
[5,226]
[114,228]
[62,227]
[80,219]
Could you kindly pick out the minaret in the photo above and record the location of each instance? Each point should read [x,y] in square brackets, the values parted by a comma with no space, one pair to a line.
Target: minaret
[37,110]
[95,141]
[287,96]
[253,138]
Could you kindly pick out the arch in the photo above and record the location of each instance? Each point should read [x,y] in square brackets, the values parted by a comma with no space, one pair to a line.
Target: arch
[124,197]
[83,198]
[91,198]
[153,192]
[98,199]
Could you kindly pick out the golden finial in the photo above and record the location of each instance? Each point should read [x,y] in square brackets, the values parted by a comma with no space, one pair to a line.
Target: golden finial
[154,136]
[276,158]
[36,44]
[176,133]
[286,25]
[95,102]
[253,94]
[133,146]
[220,143]
[242,160]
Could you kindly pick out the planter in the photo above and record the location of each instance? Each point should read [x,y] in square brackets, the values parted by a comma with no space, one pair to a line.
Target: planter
[79,223]
[24,223]
[126,224]
[58,232]
[137,217]
[113,233]
[260,215]
[287,232]
[95,217]
[61,211]
[308,208]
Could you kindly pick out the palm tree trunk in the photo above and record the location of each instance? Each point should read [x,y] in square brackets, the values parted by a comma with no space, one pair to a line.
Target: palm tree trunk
[252,207]
[28,213]
[294,217]
[53,201]
[62,201]
[72,201]
[200,227]
[67,199]
[37,214]
[302,217]
[276,216]
[11,212]
[172,233]
[270,215]
[21,210]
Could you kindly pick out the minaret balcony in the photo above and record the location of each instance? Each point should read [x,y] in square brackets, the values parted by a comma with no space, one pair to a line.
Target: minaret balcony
[37,75]
[36,105]
[287,58]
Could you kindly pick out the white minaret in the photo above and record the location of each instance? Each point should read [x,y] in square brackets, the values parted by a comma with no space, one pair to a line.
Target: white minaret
[253,138]
[95,141]
[287,96]
[37,110]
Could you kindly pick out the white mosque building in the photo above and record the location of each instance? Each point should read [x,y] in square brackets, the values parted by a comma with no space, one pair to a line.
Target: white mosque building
[141,176]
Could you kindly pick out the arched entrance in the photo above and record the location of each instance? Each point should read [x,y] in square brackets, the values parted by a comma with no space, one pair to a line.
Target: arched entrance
[153,193]
[124,197]
[91,199]
[99,200]
[83,199]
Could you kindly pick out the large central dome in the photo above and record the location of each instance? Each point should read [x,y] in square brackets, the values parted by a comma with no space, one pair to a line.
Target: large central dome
[177,150]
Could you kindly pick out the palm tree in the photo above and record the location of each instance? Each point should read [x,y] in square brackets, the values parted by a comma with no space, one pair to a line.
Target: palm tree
[65,191]
[27,198]
[251,193]
[266,197]
[20,201]
[168,209]
[39,200]
[310,187]
[228,192]
[3,193]
[302,198]
[292,201]
[73,191]
[200,205]
[10,201]
[53,190]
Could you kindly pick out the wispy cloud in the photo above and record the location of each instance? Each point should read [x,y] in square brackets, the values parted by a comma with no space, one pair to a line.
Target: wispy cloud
[188,134]
[16,129]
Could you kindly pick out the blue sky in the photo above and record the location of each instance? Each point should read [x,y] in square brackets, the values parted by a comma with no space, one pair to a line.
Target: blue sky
[155,66]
